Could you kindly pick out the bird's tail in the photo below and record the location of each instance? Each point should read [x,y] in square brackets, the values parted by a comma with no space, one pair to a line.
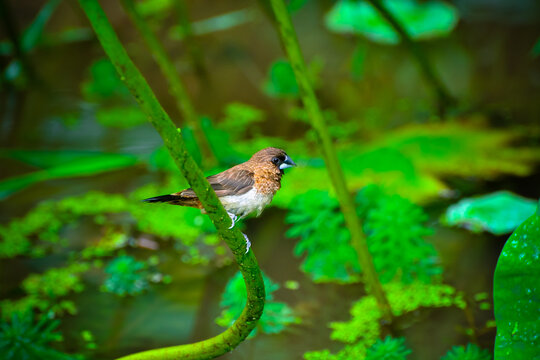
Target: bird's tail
[175,200]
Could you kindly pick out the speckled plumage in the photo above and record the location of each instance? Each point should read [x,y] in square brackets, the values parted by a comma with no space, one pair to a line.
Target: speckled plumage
[243,189]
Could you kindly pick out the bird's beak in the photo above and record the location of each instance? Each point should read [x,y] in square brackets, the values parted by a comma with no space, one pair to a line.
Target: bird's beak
[287,163]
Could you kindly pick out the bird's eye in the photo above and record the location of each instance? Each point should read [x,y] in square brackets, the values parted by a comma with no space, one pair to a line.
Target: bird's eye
[275,160]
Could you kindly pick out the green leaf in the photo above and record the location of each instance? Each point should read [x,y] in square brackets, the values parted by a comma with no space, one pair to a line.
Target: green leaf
[499,212]
[516,293]
[276,317]
[423,20]
[471,352]
[84,165]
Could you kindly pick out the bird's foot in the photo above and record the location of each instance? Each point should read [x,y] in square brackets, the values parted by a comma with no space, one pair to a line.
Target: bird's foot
[233,219]
[248,243]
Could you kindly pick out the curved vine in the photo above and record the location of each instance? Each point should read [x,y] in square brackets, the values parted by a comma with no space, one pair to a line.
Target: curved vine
[171,136]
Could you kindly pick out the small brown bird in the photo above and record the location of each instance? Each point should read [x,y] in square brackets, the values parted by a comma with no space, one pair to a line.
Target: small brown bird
[243,189]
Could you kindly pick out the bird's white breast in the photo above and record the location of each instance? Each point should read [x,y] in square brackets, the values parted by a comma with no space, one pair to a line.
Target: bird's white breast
[242,205]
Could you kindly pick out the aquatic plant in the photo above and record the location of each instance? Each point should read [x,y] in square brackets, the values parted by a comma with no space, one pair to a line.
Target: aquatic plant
[395,234]
[126,276]
[23,339]
[470,352]
[39,230]
[45,292]
[388,349]
[362,331]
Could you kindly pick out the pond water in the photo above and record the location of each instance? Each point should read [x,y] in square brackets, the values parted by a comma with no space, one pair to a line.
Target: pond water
[485,63]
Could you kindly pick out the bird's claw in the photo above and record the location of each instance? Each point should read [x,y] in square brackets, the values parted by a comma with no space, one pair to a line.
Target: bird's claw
[248,243]
[233,219]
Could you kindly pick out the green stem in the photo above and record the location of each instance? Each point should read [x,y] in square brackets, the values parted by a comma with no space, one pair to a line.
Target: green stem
[444,99]
[358,240]
[247,263]
[177,88]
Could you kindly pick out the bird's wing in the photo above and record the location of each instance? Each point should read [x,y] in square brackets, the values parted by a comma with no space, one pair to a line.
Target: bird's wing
[229,182]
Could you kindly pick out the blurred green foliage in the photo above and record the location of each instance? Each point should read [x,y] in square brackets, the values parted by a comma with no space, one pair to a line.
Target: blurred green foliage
[23,339]
[45,222]
[103,82]
[276,317]
[516,292]
[471,352]
[364,328]
[121,117]
[499,213]
[240,119]
[421,19]
[535,51]
[45,292]
[281,83]
[17,72]
[126,276]
[395,233]
[61,164]
[410,161]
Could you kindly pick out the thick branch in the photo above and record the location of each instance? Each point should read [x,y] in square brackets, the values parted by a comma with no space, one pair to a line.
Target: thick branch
[177,88]
[247,263]
[358,240]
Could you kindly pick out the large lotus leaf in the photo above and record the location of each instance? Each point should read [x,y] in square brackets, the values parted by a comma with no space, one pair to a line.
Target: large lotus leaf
[424,20]
[516,294]
[499,213]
